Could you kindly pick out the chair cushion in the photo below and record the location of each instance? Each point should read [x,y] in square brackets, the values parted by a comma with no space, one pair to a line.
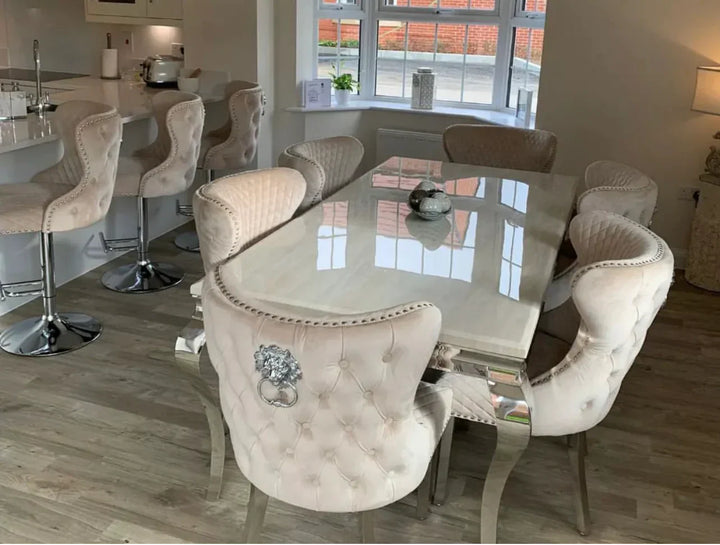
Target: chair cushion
[130,172]
[22,206]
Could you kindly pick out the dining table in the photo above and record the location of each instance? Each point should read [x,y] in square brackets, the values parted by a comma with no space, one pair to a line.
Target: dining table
[486,265]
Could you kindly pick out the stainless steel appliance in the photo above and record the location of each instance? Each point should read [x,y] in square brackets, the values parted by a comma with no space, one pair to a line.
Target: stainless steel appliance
[161,70]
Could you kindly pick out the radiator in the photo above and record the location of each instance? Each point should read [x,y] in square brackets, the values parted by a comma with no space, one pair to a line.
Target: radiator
[423,145]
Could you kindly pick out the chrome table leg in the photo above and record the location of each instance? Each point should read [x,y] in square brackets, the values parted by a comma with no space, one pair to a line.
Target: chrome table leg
[508,391]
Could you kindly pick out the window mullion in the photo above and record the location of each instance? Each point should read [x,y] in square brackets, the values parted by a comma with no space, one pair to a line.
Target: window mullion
[405,53]
[503,57]
[464,63]
[368,51]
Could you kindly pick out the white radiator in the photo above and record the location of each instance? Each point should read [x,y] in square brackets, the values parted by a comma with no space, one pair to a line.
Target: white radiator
[423,145]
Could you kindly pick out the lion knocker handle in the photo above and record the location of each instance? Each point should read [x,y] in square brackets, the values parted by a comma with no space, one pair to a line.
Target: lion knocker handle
[279,368]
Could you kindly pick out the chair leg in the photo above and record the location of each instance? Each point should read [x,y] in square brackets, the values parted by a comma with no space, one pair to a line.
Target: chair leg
[422,509]
[257,506]
[367,527]
[511,443]
[577,450]
[442,467]
[217,439]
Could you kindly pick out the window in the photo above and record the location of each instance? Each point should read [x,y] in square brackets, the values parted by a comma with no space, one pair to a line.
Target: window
[482,51]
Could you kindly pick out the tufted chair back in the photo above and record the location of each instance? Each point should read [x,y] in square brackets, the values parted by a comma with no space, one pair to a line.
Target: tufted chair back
[234,146]
[235,211]
[344,435]
[327,164]
[619,188]
[623,276]
[501,147]
[91,134]
[180,117]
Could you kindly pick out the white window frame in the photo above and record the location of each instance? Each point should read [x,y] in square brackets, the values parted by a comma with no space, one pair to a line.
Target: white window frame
[507,16]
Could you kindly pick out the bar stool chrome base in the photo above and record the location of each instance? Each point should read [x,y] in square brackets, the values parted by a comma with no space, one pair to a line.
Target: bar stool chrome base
[188,241]
[66,332]
[143,278]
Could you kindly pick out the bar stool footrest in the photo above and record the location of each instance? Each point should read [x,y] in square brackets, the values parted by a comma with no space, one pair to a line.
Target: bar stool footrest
[8,290]
[117,244]
[183,209]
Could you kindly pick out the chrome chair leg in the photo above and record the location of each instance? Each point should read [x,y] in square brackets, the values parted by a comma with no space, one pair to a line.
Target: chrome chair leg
[53,333]
[367,527]
[577,450]
[512,439]
[442,467]
[257,505]
[143,276]
[189,241]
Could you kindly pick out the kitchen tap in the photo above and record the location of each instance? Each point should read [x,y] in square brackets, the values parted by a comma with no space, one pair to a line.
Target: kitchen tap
[38,103]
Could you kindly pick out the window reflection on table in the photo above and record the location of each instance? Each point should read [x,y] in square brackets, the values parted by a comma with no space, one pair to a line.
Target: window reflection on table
[513,194]
[332,236]
[397,248]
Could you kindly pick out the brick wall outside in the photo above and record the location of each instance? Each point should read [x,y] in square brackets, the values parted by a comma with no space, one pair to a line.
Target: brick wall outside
[481,39]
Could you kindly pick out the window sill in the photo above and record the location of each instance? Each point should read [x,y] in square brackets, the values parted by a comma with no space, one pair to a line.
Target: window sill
[488,116]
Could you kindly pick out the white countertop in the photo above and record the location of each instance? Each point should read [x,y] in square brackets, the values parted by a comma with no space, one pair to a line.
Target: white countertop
[131,99]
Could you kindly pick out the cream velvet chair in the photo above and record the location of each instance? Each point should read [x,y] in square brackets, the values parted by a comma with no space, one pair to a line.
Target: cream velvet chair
[166,167]
[71,195]
[328,165]
[613,187]
[325,413]
[231,147]
[500,147]
[623,275]
[232,213]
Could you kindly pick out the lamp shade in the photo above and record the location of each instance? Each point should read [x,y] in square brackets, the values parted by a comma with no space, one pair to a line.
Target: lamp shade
[707,90]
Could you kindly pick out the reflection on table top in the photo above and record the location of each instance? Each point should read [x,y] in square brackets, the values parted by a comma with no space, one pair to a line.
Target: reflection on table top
[486,265]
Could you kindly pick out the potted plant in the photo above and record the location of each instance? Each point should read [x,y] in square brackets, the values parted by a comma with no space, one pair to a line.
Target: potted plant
[344,86]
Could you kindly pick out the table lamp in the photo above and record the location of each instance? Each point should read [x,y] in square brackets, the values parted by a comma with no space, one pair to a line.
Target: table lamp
[707,100]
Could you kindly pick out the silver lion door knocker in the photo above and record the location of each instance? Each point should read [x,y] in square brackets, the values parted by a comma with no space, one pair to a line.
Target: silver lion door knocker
[280,368]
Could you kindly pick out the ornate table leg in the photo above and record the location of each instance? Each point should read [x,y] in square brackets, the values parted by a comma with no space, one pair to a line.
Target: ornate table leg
[188,348]
[508,391]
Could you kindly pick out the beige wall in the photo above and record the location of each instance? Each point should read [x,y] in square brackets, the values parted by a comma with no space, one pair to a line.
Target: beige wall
[617,83]
[67,42]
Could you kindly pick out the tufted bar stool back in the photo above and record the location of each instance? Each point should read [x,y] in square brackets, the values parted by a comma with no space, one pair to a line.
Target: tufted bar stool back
[622,278]
[619,188]
[166,167]
[325,413]
[231,147]
[328,165]
[72,194]
[501,147]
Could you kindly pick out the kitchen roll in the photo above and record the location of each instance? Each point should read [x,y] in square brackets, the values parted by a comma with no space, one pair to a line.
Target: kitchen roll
[110,63]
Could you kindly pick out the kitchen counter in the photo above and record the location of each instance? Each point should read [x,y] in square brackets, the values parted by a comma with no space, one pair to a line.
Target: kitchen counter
[131,99]
[27,74]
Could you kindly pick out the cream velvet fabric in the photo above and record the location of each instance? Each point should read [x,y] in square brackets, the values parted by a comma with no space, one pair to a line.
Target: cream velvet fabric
[623,277]
[234,146]
[167,166]
[236,211]
[327,165]
[619,188]
[77,191]
[364,427]
[500,147]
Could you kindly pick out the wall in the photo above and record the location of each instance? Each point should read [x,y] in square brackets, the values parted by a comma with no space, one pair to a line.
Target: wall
[67,42]
[617,83]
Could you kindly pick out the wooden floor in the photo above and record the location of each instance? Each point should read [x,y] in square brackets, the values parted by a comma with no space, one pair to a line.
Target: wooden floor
[109,444]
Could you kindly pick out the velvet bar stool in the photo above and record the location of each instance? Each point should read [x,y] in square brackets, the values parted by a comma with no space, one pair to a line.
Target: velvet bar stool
[166,167]
[71,195]
[501,147]
[232,147]
[327,164]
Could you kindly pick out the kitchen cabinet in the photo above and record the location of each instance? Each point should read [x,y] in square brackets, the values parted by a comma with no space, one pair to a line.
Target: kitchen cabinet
[134,12]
